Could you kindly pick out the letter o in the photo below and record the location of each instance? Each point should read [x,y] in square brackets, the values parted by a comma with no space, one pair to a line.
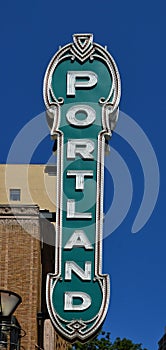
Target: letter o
[87,110]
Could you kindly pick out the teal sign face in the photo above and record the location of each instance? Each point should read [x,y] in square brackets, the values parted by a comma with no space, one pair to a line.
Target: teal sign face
[81,94]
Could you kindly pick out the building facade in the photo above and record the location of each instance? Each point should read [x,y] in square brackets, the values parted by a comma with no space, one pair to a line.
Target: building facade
[27,244]
[28,184]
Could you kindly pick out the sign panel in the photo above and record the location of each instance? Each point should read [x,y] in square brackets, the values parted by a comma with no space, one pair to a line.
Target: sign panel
[81,94]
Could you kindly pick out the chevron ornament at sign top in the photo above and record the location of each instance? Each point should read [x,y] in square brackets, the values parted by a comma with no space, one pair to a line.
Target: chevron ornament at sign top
[81,94]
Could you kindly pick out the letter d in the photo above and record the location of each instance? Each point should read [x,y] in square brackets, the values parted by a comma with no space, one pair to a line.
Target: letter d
[69,297]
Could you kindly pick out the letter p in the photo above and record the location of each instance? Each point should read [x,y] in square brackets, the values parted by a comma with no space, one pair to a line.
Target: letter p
[74,81]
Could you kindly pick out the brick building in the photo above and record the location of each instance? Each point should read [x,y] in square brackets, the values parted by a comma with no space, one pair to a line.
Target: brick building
[27,236]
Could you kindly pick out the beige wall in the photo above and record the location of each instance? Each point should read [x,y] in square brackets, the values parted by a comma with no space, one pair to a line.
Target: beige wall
[36,185]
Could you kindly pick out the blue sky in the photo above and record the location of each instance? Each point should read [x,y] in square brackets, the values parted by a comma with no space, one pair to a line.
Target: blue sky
[134,32]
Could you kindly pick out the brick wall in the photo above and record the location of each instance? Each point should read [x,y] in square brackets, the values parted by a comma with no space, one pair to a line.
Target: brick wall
[20,266]
[21,270]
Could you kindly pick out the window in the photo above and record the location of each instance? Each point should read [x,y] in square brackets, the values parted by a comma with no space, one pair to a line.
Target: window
[51,170]
[15,194]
